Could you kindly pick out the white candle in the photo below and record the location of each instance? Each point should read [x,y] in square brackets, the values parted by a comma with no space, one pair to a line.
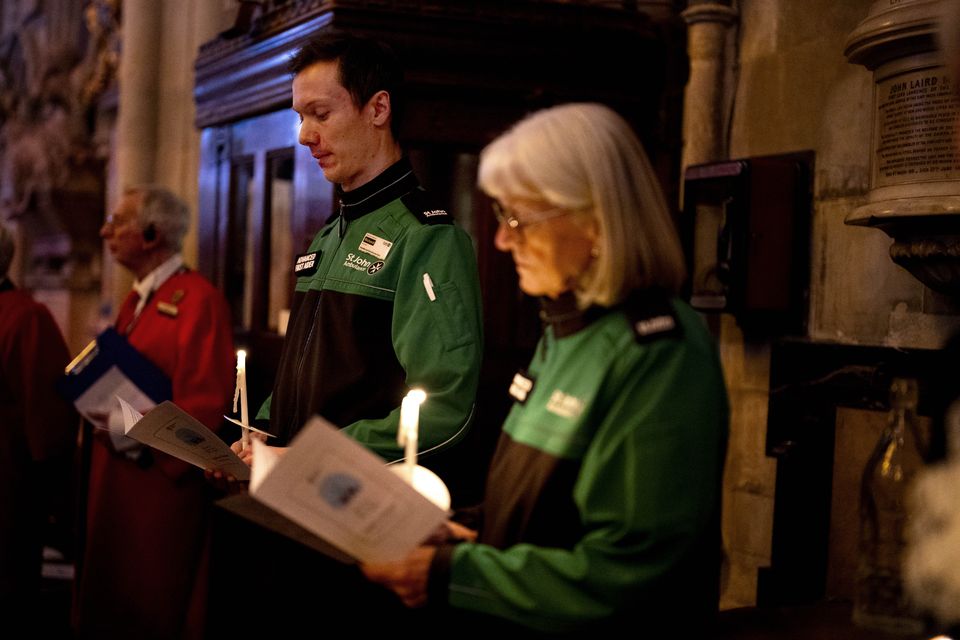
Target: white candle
[408,433]
[420,478]
[242,390]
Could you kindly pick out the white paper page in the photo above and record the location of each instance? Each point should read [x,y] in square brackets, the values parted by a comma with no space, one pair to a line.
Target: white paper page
[99,398]
[249,428]
[264,460]
[130,415]
[331,485]
[173,431]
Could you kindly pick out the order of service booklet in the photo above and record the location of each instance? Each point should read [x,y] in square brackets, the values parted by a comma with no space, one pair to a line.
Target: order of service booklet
[328,486]
[172,430]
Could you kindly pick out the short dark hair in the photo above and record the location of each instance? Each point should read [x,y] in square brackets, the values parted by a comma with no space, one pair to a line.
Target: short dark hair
[366,66]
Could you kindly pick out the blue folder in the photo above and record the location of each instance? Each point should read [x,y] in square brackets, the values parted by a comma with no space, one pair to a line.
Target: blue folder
[110,349]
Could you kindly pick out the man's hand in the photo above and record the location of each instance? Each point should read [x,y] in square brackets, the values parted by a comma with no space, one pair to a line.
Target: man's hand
[98,418]
[244,453]
[225,482]
[407,578]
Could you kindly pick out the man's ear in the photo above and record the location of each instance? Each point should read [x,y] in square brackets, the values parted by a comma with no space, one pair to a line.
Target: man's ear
[150,239]
[380,109]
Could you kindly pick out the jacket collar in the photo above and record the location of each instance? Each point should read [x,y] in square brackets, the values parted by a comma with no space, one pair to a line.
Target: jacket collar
[642,305]
[565,316]
[395,181]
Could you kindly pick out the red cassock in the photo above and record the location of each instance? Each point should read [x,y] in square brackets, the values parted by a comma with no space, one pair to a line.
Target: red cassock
[38,433]
[144,571]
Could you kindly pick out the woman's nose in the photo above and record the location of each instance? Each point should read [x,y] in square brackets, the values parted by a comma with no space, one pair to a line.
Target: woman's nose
[504,238]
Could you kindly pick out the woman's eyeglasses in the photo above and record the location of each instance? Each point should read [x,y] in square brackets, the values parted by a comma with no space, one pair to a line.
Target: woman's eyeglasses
[509,218]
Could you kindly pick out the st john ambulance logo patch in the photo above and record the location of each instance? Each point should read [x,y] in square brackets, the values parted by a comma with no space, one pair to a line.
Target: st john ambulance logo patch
[376,266]
[564,404]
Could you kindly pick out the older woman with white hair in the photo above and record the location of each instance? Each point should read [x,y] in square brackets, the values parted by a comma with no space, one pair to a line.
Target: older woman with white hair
[603,498]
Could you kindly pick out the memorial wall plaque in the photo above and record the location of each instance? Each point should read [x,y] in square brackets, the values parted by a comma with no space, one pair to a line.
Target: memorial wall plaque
[915,165]
[915,129]
[914,191]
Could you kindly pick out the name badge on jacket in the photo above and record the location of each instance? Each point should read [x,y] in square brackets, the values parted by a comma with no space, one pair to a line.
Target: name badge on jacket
[306,264]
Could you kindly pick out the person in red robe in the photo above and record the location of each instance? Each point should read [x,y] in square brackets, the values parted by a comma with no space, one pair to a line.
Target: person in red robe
[38,434]
[144,569]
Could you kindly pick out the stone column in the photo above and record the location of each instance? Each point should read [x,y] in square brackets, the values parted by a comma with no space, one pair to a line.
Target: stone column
[749,479]
[138,80]
[155,139]
[704,130]
[186,25]
[135,138]
[703,104]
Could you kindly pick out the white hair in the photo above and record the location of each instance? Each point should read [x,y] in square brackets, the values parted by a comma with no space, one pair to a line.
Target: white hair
[165,212]
[585,157]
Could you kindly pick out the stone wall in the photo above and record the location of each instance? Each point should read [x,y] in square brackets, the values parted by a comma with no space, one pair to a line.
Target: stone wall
[794,91]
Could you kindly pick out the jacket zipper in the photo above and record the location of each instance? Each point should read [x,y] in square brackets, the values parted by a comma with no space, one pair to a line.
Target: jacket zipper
[313,324]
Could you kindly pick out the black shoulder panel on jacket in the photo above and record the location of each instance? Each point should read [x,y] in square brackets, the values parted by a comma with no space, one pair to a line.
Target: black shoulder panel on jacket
[652,316]
[425,208]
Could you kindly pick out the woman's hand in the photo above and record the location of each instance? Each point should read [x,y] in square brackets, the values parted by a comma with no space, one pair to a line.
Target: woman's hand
[407,578]
[450,531]
[460,532]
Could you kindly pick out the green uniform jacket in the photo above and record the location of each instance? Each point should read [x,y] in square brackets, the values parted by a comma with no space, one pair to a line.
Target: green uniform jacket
[603,499]
[387,298]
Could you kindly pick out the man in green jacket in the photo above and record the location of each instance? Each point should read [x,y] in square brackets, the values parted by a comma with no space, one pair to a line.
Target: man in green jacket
[387,296]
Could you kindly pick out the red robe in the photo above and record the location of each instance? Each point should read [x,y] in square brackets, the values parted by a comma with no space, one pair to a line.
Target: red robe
[144,568]
[38,433]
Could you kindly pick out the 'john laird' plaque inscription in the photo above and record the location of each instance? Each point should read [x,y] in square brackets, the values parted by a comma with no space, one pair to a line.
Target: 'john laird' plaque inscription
[916,129]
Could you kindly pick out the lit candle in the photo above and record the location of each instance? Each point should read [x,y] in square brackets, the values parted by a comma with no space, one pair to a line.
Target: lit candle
[408,433]
[420,478]
[242,392]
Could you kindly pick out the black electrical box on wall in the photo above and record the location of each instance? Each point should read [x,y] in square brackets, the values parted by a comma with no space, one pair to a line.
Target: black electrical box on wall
[746,234]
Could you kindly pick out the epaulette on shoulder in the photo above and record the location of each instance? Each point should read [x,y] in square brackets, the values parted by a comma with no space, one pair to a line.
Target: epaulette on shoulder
[425,208]
[651,316]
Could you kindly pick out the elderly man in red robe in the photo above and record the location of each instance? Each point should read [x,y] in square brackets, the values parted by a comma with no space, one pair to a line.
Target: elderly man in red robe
[38,433]
[143,573]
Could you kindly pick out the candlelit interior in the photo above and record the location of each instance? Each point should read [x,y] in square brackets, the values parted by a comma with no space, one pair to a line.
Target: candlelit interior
[821,241]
